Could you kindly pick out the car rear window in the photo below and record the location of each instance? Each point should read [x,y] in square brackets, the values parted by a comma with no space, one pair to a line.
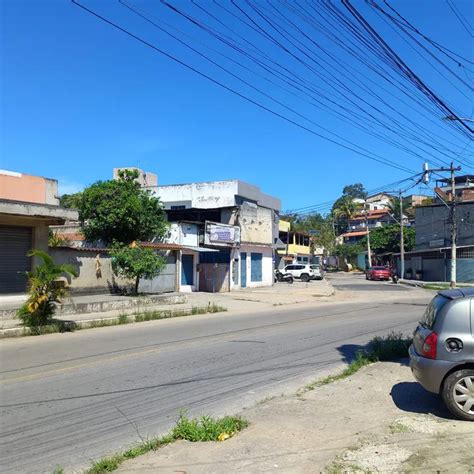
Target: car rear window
[432,310]
[378,268]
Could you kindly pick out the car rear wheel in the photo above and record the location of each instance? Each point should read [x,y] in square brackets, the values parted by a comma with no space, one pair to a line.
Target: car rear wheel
[305,277]
[458,394]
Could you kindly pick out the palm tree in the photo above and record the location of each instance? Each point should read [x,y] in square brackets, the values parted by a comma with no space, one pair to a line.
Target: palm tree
[44,290]
[394,209]
[345,209]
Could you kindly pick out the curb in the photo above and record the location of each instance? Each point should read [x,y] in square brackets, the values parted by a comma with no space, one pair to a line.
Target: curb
[415,284]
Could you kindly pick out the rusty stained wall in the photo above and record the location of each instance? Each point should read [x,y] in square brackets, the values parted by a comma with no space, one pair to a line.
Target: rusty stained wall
[256,224]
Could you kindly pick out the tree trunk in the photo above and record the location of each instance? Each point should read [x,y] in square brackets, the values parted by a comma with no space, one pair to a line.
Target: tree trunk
[137,281]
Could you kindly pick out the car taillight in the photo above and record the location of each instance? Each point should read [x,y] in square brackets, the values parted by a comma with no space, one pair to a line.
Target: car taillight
[429,346]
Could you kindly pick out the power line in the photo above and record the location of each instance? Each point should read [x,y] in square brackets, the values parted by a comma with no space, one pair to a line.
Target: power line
[459,16]
[242,96]
[325,205]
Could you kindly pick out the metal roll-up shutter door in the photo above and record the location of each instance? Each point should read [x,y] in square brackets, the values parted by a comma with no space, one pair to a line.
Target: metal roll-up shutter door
[15,242]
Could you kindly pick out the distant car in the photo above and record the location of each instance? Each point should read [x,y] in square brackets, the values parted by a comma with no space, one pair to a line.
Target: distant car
[304,272]
[442,353]
[378,273]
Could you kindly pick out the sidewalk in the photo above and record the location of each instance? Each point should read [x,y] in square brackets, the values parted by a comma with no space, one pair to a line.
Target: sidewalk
[88,308]
[378,420]
[422,284]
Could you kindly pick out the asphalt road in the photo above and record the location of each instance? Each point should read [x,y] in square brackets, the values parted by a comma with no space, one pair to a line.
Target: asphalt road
[67,399]
[342,281]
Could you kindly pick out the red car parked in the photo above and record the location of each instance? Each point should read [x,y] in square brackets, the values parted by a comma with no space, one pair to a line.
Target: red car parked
[378,273]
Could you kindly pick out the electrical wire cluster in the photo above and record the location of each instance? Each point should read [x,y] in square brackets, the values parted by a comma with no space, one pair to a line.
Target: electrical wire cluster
[305,61]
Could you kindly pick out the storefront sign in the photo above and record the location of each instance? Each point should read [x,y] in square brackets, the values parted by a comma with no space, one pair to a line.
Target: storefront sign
[221,234]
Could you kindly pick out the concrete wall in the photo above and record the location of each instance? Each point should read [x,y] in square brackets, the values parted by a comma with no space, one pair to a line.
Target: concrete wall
[24,187]
[256,224]
[267,265]
[214,194]
[439,269]
[183,233]
[102,280]
[85,263]
[208,195]
[145,178]
[432,225]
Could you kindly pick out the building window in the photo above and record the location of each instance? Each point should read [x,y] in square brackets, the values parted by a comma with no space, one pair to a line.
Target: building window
[283,237]
[306,241]
[256,266]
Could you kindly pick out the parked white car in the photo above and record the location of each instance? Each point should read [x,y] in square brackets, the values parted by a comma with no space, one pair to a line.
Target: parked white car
[304,272]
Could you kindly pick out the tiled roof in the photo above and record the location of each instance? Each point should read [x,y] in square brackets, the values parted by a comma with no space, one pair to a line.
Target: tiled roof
[357,233]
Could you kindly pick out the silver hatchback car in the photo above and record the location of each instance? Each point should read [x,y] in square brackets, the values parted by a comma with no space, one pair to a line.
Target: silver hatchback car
[442,353]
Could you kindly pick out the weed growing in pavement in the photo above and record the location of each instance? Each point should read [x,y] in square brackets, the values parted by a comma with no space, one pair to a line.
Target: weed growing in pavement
[58,470]
[123,319]
[66,326]
[207,428]
[391,347]
[398,427]
[204,428]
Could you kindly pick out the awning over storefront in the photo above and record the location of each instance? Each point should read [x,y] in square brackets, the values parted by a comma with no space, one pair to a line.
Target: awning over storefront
[200,249]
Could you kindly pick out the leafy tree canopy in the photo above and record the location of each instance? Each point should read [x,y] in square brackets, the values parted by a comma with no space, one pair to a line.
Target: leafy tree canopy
[356,190]
[319,226]
[135,262]
[120,210]
[70,200]
[387,239]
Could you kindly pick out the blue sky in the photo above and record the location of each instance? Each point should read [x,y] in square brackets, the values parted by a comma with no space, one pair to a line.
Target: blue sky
[79,98]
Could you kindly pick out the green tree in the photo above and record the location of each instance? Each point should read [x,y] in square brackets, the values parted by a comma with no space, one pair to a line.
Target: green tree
[121,211]
[320,228]
[70,200]
[356,190]
[44,290]
[387,239]
[135,262]
[394,208]
[344,210]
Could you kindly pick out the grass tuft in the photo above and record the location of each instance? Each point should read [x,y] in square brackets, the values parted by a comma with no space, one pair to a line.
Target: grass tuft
[123,319]
[398,427]
[204,428]
[57,326]
[207,428]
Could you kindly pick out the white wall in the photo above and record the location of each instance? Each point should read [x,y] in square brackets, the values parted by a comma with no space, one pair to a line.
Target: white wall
[207,195]
[183,234]
[267,265]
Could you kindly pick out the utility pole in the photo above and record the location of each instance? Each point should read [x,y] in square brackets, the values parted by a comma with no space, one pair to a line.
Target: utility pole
[369,253]
[453,228]
[453,217]
[402,243]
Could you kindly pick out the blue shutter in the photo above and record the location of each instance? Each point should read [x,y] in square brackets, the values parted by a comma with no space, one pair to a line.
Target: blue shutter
[256,267]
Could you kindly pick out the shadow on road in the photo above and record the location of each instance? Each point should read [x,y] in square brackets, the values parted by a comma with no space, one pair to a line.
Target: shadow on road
[413,398]
[349,353]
